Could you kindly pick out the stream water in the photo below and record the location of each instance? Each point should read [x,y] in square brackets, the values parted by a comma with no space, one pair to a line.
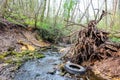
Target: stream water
[44,69]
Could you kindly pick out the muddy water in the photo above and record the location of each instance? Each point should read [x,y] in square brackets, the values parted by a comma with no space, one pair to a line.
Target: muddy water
[42,69]
[46,69]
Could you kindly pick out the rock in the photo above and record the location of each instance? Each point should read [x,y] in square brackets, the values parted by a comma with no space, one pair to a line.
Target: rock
[64,50]
[81,78]
[52,72]
[67,75]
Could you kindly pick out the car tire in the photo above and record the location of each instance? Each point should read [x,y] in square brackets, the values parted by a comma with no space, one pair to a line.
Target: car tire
[74,68]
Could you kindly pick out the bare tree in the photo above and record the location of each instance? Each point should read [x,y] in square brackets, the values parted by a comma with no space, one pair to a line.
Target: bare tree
[43,12]
[119,9]
[119,6]
[57,13]
[4,7]
[37,14]
[48,9]
[106,11]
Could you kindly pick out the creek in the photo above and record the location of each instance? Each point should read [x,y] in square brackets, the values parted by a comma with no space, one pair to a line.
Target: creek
[45,69]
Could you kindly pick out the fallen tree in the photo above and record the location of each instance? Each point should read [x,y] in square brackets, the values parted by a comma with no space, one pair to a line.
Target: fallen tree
[93,44]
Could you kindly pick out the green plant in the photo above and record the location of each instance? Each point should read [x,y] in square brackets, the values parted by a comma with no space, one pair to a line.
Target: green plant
[68,6]
[18,58]
[114,39]
[47,31]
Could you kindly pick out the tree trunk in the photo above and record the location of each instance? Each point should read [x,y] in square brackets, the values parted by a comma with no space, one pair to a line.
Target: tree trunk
[57,14]
[4,7]
[106,11]
[119,9]
[43,12]
[48,9]
[56,20]
[37,14]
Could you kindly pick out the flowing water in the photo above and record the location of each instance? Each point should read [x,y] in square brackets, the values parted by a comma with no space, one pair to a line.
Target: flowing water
[45,69]
[42,69]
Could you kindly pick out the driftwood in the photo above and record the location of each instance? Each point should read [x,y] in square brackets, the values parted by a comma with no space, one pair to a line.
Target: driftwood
[92,44]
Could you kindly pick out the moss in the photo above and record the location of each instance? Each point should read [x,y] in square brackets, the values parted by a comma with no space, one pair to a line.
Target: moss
[9,53]
[26,58]
[1,57]
[8,61]
[18,64]
[26,52]
[5,54]
[18,58]
[39,56]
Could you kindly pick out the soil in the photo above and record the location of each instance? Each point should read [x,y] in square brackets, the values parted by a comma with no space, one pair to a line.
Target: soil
[14,37]
[12,34]
[108,69]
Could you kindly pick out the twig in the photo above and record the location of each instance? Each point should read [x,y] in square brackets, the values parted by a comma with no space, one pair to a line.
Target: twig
[85,11]
[87,78]
[104,13]
[73,33]
[73,23]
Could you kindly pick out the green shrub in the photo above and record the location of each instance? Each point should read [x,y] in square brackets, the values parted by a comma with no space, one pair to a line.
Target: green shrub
[50,32]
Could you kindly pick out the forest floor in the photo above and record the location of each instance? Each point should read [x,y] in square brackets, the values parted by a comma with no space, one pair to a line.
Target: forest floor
[15,37]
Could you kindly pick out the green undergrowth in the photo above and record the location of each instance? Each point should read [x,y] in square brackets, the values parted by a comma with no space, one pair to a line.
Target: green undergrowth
[115,39]
[47,30]
[112,26]
[50,32]
[18,58]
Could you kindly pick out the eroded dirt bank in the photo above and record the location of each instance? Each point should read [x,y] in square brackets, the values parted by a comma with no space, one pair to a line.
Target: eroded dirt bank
[108,69]
[15,38]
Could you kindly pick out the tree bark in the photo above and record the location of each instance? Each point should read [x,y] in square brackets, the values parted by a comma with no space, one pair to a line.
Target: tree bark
[43,12]
[48,9]
[4,7]
[37,14]
[57,14]
[119,9]
[106,11]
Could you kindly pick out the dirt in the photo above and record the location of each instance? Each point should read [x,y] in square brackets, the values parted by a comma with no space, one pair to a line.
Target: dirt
[13,37]
[12,34]
[108,69]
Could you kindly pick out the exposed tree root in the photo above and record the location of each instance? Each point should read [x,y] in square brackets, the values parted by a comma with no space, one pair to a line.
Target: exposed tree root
[93,44]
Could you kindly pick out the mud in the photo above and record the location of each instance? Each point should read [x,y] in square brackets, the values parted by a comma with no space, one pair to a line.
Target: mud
[108,69]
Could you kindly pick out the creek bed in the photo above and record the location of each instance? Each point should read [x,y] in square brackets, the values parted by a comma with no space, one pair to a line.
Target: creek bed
[41,69]
[45,69]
